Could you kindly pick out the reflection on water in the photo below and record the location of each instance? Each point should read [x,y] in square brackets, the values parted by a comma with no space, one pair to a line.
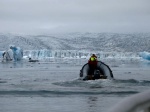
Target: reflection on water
[92,104]
[12,64]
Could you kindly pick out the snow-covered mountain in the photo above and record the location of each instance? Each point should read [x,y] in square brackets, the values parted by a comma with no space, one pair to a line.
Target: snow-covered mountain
[107,42]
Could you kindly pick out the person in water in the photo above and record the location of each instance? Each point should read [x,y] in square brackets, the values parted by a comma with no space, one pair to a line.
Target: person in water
[92,62]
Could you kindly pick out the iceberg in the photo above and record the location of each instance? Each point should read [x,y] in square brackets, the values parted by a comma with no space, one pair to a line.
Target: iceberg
[145,55]
[13,53]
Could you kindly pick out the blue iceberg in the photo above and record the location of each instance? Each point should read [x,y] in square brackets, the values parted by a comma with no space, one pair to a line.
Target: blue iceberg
[145,55]
[12,54]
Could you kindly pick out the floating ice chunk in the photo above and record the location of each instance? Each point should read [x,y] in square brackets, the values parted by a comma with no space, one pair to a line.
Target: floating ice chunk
[145,55]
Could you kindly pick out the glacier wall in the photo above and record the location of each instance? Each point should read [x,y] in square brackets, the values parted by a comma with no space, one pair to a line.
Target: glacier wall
[41,54]
[75,54]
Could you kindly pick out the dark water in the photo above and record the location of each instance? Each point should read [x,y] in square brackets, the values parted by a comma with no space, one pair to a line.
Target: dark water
[55,87]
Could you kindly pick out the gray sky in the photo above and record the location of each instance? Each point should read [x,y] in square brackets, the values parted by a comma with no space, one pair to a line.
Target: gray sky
[52,16]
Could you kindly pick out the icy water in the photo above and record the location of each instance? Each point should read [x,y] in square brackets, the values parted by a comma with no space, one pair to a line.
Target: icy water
[54,86]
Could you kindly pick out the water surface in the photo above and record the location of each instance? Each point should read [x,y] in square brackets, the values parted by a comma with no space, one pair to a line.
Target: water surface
[55,87]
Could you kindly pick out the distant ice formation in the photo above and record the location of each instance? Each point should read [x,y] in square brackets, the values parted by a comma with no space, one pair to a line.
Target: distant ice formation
[13,53]
[75,54]
[145,55]
[71,54]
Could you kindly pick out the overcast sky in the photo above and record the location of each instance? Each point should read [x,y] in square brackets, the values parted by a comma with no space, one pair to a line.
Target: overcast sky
[52,16]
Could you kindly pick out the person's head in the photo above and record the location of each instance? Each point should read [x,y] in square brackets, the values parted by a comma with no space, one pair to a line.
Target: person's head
[93,55]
